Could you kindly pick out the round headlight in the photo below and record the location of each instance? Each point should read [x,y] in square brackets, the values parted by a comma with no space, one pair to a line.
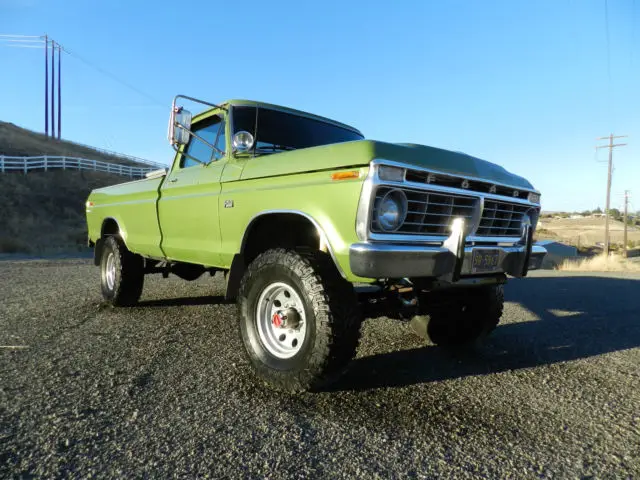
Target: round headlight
[243,141]
[392,210]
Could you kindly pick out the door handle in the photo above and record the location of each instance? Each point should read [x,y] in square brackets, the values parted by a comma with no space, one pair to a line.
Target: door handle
[173,180]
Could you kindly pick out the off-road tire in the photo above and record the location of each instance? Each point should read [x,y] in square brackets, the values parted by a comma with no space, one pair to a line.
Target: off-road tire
[332,315]
[459,316]
[127,285]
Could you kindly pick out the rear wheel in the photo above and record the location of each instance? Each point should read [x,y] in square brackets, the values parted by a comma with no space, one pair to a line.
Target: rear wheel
[459,317]
[121,273]
[299,320]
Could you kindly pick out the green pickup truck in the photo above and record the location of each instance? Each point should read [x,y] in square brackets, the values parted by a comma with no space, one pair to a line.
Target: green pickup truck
[314,228]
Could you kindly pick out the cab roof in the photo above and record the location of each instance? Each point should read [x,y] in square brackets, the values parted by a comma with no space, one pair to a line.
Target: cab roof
[253,103]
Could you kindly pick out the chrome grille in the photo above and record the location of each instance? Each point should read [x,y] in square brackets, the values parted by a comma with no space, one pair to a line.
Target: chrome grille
[429,213]
[501,219]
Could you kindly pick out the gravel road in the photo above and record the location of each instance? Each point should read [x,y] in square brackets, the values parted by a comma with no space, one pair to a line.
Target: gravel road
[163,389]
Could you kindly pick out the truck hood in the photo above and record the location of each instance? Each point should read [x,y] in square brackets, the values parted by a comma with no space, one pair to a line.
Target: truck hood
[449,162]
[361,152]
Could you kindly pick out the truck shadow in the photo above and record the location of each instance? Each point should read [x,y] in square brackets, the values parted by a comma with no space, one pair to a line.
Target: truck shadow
[185,301]
[579,317]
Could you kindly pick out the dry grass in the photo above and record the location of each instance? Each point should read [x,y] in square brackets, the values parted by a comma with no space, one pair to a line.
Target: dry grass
[44,212]
[600,263]
[585,232]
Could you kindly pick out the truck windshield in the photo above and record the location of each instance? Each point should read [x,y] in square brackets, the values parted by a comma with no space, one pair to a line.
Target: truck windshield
[280,131]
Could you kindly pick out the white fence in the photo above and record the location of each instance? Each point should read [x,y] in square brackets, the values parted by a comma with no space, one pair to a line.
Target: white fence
[121,155]
[46,163]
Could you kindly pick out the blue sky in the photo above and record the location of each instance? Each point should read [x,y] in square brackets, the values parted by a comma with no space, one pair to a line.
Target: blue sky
[521,83]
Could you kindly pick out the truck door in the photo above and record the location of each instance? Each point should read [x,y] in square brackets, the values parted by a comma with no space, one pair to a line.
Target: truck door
[188,203]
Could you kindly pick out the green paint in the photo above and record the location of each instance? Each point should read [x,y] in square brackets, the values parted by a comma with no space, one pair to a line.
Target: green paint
[183,216]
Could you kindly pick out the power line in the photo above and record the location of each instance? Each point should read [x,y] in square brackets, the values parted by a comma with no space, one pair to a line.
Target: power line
[40,41]
[21,41]
[19,36]
[113,77]
[37,41]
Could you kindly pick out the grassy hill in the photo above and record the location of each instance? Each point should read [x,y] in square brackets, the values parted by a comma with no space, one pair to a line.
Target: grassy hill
[43,212]
[20,142]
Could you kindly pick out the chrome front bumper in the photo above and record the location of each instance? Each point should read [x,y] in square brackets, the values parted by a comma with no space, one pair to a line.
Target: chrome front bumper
[371,260]
[449,262]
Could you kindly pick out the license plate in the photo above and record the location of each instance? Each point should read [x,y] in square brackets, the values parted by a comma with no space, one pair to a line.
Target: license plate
[485,260]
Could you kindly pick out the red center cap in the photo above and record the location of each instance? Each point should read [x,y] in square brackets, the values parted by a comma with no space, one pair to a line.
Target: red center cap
[277,319]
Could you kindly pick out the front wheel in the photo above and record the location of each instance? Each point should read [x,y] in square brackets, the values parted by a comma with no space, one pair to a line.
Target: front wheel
[121,273]
[299,320]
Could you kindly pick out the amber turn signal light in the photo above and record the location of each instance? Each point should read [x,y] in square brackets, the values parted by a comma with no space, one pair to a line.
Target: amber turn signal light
[345,175]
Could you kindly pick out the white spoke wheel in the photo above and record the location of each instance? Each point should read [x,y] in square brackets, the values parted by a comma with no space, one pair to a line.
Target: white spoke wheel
[121,273]
[110,271]
[281,321]
[299,319]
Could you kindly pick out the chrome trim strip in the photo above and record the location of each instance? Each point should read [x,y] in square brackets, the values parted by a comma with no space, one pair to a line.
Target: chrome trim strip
[538,250]
[323,236]
[368,247]
[477,239]
[477,217]
[418,249]
[405,238]
[459,191]
[363,217]
[161,172]
[437,239]
[382,161]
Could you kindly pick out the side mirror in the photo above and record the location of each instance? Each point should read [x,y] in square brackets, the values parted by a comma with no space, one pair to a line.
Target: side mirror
[179,126]
[242,141]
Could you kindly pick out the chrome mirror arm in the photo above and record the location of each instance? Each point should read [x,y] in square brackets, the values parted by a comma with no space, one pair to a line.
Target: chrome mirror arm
[177,149]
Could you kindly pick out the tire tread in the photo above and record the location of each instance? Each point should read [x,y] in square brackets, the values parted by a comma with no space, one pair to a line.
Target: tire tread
[336,311]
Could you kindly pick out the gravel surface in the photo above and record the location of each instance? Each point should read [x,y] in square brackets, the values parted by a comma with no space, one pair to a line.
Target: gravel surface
[163,389]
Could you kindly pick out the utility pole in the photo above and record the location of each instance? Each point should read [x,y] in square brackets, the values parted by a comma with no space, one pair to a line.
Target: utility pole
[626,208]
[46,85]
[611,146]
[59,92]
[53,89]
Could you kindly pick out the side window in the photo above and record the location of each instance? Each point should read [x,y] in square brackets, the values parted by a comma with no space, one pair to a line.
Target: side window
[196,148]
